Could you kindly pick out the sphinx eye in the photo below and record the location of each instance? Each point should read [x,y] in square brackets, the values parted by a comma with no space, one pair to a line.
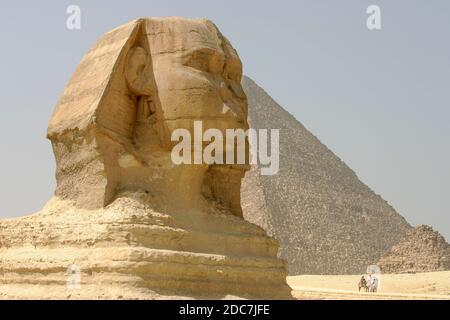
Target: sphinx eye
[234,70]
[217,64]
[198,60]
[206,60]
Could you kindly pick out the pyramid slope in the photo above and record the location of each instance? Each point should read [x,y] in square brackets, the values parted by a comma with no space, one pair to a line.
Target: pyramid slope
[420,250]
[327,220]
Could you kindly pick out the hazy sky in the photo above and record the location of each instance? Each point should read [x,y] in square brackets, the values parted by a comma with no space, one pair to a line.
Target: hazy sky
[379,99]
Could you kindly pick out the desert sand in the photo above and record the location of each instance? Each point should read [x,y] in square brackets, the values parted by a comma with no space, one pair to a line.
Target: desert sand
[429,285]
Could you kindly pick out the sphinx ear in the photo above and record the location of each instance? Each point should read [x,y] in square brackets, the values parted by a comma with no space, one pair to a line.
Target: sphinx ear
[139,73]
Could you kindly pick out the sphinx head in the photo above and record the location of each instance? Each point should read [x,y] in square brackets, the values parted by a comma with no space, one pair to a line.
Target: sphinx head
[111,129]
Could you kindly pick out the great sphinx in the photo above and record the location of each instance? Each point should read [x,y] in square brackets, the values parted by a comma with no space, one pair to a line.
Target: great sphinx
[133,223]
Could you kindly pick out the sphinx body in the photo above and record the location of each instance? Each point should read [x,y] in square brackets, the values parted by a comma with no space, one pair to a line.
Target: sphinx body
[133,223]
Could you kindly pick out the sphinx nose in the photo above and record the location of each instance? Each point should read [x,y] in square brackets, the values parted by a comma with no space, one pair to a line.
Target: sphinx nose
[237,90]
[230,90]
[225,92]
[233,97]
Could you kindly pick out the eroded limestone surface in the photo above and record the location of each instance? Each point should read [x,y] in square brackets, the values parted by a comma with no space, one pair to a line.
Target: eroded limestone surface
[135,224]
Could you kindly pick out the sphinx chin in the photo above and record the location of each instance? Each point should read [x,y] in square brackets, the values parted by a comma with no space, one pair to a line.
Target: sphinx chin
[125,221]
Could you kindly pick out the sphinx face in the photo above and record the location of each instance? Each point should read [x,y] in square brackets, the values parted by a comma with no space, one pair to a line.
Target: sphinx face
[197,74]
[113,118]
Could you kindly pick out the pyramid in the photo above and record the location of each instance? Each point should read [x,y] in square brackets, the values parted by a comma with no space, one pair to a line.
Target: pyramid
[326,219]
[420,250]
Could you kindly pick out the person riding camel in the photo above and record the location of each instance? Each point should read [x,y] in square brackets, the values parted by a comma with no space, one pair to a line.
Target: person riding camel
[362,284]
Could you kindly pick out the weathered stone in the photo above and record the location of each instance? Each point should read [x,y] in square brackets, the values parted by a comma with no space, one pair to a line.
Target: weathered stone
[420,250]
[135,224]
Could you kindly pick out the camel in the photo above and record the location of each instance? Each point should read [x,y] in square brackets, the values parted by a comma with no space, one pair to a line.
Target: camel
[363,284]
